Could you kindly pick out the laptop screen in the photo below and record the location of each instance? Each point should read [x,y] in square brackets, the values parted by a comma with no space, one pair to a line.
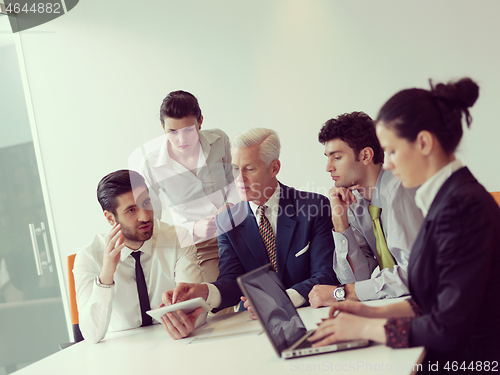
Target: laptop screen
[273,307]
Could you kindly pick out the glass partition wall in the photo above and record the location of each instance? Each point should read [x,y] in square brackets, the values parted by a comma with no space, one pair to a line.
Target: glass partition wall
[33,302]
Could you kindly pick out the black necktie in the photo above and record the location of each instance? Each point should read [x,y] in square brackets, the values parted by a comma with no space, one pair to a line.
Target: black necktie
[142,290]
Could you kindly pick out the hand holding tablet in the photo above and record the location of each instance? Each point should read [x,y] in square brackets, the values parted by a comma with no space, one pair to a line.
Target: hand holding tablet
[186,306]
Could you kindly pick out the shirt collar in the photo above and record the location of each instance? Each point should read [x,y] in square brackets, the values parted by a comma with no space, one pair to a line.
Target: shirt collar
[273,201]
[163,155]
[376,196]
[206,140]
[147,247]
[377,191]
[427,192]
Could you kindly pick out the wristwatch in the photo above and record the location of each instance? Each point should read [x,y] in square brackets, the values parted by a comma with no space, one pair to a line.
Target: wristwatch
[98,283]
[339,293]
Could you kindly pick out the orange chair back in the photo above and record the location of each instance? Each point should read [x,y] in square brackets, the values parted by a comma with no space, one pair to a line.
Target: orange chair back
[72,290]
[72,300]
[496,196]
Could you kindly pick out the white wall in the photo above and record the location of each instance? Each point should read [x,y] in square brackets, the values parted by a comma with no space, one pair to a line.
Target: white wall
[98,75]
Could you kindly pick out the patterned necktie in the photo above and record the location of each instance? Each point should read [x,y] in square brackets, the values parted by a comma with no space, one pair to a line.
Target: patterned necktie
[142,289]
[385,259]
[267,234]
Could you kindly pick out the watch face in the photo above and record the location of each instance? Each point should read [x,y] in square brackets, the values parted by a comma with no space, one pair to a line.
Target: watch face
[339,293]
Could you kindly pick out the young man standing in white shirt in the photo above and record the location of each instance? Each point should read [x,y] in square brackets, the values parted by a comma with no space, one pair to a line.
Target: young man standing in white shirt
[107,275]
[189,173]
[367,269]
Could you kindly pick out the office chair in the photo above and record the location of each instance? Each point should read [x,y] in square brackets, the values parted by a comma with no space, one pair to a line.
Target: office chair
[77,334]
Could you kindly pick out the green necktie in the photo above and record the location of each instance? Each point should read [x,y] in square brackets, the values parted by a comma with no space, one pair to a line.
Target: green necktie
[385,259]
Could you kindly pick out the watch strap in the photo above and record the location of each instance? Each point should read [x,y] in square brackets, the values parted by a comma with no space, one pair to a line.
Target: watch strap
[99,284]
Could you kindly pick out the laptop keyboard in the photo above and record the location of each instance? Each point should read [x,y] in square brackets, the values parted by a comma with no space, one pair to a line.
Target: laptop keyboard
[304,344]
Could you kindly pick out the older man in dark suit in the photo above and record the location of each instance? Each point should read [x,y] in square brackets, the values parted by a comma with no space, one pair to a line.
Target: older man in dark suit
[274,224]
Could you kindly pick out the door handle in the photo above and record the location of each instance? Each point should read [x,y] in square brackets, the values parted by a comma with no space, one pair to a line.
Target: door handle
[36,251]
[47,249]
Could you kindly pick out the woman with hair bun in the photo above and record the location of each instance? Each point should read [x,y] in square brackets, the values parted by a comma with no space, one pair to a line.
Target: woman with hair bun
[453,272]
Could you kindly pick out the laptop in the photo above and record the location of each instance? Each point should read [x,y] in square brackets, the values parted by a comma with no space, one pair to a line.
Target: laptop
[280,318]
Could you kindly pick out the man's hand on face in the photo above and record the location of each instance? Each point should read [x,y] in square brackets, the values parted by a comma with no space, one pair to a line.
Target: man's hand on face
[340,200]
[115,242]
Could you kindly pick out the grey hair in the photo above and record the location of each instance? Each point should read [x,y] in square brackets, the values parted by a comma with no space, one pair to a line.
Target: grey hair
[267,139]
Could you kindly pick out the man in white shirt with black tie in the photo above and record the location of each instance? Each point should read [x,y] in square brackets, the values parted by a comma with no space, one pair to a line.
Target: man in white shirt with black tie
[113,290]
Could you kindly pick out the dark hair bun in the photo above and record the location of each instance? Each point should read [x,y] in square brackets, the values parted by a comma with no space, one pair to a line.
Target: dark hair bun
[459,95]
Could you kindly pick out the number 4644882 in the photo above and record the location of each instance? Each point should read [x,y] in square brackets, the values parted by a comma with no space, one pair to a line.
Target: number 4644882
[480,366]
[17,8]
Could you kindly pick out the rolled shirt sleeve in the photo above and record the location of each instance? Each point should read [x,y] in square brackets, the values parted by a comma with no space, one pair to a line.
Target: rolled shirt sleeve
[346,243]
[94,302]
[400,220]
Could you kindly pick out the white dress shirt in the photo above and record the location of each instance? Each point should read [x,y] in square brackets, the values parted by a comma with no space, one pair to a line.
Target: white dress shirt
[189,196]
[427,192]
[272,211]
[400,220]
[106,309]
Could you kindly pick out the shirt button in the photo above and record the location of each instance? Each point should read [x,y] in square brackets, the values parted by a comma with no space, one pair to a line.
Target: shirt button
[343,241]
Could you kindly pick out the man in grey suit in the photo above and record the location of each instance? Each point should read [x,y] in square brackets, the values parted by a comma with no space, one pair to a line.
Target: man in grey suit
[375,218]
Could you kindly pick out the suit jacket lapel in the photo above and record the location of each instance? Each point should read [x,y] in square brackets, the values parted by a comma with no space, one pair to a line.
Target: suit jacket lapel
[459,178]
[285,228]
[419,245]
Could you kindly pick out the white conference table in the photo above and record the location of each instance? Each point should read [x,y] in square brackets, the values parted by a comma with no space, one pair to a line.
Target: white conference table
[226,344]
